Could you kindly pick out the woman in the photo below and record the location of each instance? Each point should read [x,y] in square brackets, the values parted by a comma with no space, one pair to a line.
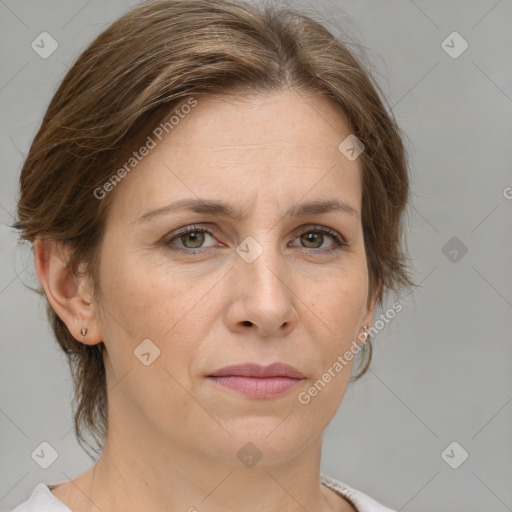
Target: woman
[215,199]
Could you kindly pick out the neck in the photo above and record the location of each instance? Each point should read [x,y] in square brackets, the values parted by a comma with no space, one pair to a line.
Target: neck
[155,478]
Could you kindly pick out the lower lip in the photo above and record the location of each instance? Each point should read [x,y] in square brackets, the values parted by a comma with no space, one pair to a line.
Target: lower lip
[257,387]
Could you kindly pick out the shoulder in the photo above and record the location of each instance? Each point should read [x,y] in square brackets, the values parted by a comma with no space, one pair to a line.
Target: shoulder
[361,502]
[41,500]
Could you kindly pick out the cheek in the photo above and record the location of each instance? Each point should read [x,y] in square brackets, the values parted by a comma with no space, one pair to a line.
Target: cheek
[140,297]
[340,308]
[149,302]
[342,300]
[139,304]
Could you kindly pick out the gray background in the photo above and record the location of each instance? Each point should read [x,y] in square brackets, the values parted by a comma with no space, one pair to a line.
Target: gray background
[442,368]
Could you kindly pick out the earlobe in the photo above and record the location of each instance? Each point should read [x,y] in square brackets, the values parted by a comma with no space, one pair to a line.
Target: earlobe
[66,294]
[367,320]
[370,315]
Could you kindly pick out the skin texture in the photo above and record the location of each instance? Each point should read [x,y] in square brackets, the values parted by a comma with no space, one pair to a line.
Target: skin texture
[173,434]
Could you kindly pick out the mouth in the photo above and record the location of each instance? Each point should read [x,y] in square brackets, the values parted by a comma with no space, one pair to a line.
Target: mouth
[257,381]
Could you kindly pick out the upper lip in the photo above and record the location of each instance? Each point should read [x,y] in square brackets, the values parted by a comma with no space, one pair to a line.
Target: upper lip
[257,370]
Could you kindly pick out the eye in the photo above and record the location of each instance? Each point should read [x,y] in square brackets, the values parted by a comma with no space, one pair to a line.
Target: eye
[314,238]
[191,237]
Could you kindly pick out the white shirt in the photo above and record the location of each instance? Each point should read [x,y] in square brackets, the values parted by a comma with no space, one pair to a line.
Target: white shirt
[42,500]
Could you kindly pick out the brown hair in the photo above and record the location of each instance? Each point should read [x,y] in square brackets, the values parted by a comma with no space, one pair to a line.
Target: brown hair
[142,67]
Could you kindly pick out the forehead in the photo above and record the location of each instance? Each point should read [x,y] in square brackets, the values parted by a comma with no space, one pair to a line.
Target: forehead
[278,148]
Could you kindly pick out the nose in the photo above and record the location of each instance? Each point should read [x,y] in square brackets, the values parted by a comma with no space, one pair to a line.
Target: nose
[262,298]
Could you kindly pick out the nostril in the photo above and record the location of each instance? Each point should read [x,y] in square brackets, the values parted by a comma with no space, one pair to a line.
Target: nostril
[248,323]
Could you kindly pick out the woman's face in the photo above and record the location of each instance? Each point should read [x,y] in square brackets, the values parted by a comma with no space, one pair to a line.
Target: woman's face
[269,286]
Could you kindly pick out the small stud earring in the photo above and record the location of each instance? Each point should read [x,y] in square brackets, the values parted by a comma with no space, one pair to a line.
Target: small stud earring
[83,331]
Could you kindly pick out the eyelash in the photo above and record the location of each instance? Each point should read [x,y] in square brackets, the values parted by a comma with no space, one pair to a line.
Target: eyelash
[339,241]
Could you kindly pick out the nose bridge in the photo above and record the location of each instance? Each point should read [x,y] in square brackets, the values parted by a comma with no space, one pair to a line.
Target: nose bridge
[262,260]
[263,282]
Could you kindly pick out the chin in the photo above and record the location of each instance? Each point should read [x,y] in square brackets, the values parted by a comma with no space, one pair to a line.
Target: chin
[269,439]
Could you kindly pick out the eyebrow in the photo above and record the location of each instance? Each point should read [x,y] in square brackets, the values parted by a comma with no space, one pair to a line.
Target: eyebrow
[212,207]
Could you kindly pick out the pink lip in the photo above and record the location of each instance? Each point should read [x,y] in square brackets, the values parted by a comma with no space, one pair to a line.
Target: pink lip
[258,381]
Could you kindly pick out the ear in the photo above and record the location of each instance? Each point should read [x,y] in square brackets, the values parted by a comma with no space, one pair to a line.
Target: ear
[367,319]
[70,297]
